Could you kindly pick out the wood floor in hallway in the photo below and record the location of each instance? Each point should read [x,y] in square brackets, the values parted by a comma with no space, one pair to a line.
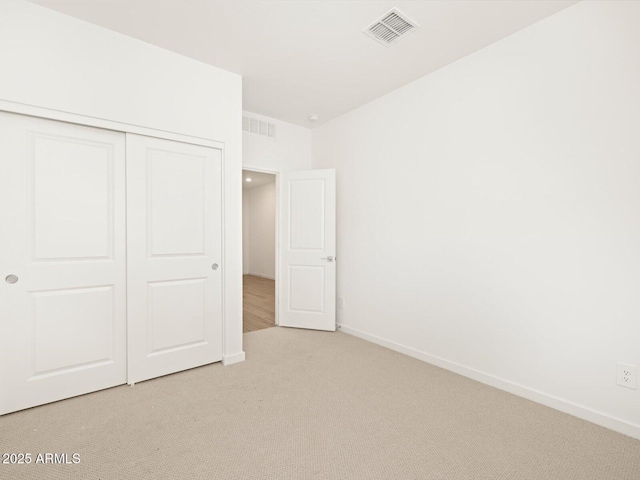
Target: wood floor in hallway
[259,297]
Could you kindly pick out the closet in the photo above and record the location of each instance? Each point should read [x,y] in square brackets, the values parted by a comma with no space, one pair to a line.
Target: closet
[110,259]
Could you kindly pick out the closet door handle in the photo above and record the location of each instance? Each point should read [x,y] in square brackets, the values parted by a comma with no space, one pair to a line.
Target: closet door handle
[328,259]
[11,279]
[214,266]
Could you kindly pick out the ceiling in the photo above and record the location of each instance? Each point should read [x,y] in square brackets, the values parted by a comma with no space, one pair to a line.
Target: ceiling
[257,179]
[299,57]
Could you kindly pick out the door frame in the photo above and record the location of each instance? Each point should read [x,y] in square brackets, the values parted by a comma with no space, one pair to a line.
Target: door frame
[277,226]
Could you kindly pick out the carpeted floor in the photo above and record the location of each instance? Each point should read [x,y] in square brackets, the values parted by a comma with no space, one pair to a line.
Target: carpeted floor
[314,405]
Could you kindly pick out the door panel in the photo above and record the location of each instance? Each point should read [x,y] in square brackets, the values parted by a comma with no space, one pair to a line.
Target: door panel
[62,234]
[307,268]
[176,185]
[306,221]
[168,301]
[174,239]
[73,222]
[80,319]
[306,288]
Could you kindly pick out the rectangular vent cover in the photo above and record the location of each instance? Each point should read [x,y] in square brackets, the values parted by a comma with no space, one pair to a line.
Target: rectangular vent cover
[258,127]
[390,27]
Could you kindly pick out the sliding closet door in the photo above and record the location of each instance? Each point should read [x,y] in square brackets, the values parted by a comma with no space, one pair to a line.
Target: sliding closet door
[174,256]
[62,261]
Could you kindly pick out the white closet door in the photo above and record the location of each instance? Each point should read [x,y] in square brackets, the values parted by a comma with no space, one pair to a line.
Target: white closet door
[174,256]
[62,261]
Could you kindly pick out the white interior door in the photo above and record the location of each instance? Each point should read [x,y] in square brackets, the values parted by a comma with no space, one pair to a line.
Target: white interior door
[174,237]
[62,261]
[307,250]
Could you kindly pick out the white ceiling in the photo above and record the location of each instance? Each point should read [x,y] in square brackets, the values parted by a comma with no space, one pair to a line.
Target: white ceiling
[302,56]
[257,179]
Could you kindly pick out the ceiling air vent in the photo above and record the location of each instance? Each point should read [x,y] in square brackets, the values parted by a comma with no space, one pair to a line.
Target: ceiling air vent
[258,127]
[390,27]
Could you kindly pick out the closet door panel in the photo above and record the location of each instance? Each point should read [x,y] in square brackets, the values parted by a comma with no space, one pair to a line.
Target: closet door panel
[63,261]
[174,251]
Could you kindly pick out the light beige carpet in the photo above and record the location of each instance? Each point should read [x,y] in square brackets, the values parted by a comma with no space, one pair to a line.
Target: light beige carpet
[314,405]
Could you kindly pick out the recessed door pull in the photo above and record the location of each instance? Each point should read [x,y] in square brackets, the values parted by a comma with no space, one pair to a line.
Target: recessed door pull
[11,279]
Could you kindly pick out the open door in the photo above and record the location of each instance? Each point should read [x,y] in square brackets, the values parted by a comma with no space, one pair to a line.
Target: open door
[307,250]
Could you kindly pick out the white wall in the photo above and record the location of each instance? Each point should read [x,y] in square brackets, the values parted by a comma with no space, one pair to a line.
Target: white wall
[289,151]
[55,61]
[64,64]
[259,234]
[488,213]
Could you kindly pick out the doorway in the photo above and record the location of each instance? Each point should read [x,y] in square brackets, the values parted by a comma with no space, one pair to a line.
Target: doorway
[259,206]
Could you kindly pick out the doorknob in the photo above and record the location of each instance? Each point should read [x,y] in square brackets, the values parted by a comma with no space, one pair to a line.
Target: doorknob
[11,279]
[328,259]
[214,266]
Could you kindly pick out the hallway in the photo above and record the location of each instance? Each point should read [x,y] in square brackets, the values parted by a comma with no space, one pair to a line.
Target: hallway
[259,304]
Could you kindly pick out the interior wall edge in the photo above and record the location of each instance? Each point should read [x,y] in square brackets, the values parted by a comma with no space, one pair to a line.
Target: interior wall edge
[232,359]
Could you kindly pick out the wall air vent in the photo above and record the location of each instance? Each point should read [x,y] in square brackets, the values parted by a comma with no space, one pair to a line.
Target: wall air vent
[258,127]
[390,27]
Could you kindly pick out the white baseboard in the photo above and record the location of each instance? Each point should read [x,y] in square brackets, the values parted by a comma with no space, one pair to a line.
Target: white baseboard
[585,413]
[233,358]
[270,277]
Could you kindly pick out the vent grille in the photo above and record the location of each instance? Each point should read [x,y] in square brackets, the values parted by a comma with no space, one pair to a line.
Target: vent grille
[390,27]
[258,127]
